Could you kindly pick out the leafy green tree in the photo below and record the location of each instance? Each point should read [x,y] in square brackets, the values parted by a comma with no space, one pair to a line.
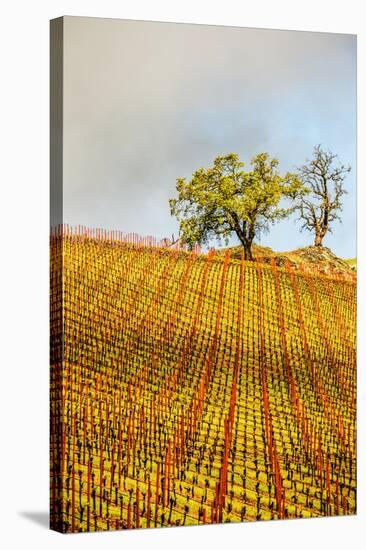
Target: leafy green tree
[324,179]
[224,200]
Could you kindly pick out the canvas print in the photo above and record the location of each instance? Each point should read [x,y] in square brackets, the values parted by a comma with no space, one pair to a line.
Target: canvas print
[203,275]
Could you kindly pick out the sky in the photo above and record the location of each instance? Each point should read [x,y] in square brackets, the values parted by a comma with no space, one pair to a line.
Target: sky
[146,103]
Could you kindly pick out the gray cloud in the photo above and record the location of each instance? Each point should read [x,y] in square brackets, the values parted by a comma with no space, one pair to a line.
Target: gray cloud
[147,102]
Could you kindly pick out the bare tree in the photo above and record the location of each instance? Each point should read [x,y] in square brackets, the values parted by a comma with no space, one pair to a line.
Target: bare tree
[324,178]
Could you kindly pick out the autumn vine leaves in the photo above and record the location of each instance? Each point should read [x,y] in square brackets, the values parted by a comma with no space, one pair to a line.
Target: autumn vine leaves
[191,388]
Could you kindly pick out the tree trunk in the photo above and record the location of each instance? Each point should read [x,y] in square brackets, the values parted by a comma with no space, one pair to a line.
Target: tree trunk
[318,239]
[248,251]
[246,240]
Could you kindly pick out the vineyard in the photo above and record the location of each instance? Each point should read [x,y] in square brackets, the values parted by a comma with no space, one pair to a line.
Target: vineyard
[191,388]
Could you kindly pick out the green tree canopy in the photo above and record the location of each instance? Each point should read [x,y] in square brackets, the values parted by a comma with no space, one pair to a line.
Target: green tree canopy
[225,200]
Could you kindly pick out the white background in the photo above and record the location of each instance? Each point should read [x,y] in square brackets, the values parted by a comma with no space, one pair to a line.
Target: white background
[24,271]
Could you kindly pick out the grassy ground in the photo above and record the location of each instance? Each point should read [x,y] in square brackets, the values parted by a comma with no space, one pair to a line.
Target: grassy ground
[352,262]
[317,260]
[198,389]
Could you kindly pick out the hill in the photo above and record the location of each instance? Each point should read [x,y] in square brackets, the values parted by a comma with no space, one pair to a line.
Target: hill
[352,262]
[311,258]
[191,389]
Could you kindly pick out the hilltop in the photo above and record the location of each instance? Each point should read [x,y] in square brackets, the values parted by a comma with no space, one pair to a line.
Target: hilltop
[311,258]
[352,262]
